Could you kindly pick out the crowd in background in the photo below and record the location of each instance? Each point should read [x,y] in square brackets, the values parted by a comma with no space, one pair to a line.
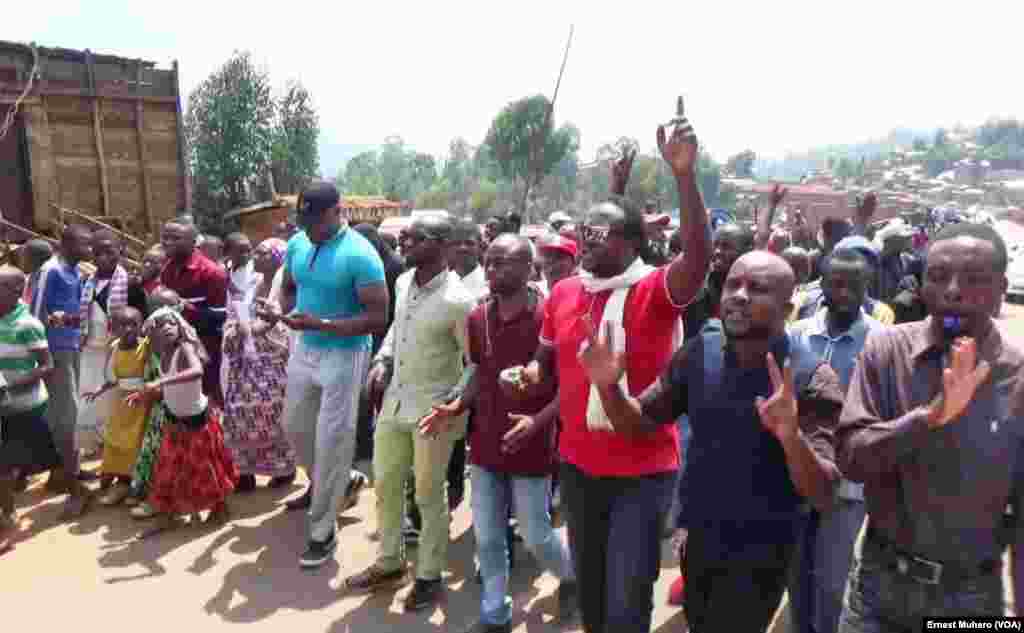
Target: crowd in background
[832,414]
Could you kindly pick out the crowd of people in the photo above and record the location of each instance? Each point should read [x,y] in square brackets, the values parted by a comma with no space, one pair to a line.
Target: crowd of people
[851,435]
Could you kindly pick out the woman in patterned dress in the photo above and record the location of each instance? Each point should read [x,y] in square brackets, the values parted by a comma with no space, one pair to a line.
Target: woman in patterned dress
[255,372]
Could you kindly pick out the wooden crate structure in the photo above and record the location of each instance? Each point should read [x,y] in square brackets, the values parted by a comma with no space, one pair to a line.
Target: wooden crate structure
[258,220]
[100,134]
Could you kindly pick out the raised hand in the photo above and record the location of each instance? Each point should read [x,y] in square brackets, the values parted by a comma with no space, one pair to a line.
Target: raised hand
[866,207]
[522,429]
[680,151]
[779,413]
[960,381]
[621,170]
[778,193]
[440,417]
[603,365]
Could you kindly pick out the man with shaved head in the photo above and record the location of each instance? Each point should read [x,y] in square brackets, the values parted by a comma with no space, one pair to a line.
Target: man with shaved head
[335,294]
[512,448]
[419,366]
[762,413]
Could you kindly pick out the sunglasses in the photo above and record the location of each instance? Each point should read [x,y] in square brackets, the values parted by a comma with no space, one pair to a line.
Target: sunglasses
[594,234]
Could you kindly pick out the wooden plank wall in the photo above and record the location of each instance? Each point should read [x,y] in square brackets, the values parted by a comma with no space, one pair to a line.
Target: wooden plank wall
[66,166]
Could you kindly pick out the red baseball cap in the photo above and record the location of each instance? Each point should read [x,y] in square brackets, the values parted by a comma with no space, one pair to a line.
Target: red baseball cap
[561,244]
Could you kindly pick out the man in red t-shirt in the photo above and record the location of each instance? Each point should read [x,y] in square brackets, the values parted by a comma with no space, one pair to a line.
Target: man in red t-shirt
[626,480]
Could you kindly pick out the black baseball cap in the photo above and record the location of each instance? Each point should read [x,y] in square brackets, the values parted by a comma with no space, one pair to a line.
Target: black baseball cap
[317,198]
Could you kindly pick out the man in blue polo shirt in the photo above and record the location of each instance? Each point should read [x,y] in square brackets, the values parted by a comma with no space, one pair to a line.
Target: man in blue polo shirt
[57,303]
[836,333]
[334,281]
[761,444]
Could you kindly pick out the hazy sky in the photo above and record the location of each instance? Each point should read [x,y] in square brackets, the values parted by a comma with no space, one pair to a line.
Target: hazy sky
[774,76]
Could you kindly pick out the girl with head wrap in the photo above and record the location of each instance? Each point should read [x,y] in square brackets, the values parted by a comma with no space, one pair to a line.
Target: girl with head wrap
[254,375]
[194,470]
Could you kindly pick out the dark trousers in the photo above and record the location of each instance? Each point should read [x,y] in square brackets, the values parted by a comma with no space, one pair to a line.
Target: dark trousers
[615,528]
[735,595]
[364,430]
[881,600]
[457,474]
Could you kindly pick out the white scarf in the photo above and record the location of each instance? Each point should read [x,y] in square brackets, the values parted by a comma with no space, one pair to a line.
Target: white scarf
[597,419]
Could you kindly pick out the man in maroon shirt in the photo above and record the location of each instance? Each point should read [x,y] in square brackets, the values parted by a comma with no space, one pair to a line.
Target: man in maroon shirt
[202,285]
[511,443]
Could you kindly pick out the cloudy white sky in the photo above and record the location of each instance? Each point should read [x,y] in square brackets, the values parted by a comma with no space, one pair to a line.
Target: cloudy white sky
[772,76]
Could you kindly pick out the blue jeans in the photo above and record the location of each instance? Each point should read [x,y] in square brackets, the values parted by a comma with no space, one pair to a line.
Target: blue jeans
[492,494]
[881,600]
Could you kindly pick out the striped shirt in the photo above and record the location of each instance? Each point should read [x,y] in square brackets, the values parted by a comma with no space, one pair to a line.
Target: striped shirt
[21,336]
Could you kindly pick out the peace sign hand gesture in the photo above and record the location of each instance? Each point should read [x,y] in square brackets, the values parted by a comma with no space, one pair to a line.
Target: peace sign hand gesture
[604,366]
[779,413]
[959,383]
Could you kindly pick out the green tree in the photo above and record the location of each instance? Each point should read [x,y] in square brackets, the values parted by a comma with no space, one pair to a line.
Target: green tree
[296,154]
[362,176]
[483,199]
[525,145]
[229,129]
[920,145]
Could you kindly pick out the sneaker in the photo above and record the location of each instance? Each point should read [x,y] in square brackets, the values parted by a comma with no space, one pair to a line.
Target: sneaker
[374,579]
[568,601]
[425,593]
[483,627]
[318,552]
[677,591]
[356,482]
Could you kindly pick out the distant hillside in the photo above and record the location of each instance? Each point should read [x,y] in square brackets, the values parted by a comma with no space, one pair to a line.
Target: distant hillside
[333,156]
[795,164]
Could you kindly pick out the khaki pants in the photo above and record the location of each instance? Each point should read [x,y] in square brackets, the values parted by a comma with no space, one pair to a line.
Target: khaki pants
[397,449]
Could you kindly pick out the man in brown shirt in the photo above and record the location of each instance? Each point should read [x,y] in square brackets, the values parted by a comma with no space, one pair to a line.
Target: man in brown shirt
[930,427]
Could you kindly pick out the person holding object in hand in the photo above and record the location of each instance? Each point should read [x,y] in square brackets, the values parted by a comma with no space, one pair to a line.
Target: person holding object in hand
[626,478]
[335,296]
[512,452]
[931,428]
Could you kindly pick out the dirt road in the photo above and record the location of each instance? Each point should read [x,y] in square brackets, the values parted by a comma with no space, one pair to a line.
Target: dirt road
[92,576]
